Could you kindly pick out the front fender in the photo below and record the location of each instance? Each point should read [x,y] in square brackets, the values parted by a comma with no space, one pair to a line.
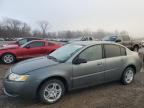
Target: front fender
[64,71]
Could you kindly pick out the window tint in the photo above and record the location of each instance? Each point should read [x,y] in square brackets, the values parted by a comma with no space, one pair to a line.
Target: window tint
[36,44]
[123,51]
[125,38]
[112,51]
[92,53]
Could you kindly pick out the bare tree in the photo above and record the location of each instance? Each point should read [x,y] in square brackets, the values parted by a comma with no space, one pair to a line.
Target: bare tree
[25,30]
[15,28]
[124,32]
[44,26]
[11,23]
[36,33]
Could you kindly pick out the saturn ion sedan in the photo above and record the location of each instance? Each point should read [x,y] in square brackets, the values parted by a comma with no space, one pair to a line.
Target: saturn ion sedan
[73,66]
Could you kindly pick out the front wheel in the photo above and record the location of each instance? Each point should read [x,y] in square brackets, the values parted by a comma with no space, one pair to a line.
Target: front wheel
[51,91]
[8,58]
[128,76]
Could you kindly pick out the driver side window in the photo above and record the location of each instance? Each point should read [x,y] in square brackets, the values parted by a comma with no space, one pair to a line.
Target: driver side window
[36,44]
[92,53]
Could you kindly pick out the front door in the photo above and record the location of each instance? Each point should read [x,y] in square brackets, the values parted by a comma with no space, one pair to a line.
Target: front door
[92,72]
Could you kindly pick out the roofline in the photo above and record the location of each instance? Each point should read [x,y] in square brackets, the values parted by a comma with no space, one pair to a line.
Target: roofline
[90,43]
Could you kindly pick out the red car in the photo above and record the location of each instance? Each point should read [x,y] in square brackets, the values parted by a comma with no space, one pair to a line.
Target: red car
[11,53]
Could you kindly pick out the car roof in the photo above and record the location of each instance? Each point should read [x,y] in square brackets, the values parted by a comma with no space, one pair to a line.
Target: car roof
[89,43]
[31,38]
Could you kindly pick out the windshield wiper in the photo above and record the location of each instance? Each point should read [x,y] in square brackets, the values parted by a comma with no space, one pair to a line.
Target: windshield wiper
[53,58]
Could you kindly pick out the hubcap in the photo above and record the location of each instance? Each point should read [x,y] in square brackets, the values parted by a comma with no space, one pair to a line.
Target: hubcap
[52,92]
[129,76]
[8,58]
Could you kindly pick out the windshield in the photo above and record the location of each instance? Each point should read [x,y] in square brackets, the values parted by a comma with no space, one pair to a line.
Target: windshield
[22,41]
[64,53]
[109,38]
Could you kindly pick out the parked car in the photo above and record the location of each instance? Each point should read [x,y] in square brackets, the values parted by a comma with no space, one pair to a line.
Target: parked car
[8,39]
[11,53]
[21,41]
[1,39]
[124,40]
[84,38]
[73,66]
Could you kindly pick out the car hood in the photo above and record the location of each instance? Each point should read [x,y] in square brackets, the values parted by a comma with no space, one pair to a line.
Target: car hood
[32,64]
[4,47]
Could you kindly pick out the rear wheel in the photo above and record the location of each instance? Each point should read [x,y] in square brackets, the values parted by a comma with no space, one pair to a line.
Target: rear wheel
[51,91]
[128,76]
[8,58]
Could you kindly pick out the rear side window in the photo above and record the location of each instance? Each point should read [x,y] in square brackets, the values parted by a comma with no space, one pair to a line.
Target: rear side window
[123,51]
[112,51]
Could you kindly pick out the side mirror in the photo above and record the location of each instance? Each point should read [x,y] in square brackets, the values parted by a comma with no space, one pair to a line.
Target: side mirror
[118,40]
[79,61]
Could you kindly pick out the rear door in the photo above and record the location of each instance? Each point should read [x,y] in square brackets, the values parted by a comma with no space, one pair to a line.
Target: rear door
[92,72]
[114,62]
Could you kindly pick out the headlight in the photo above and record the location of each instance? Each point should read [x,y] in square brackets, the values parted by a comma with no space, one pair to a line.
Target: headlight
[16,77]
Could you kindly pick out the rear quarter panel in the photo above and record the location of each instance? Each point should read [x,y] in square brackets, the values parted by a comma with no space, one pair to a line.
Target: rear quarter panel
[133,59]
[52,47]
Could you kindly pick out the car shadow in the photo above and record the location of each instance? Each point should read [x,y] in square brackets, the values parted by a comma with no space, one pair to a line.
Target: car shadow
[23,102]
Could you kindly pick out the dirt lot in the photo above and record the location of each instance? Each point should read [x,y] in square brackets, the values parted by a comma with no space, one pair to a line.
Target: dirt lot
[112,95]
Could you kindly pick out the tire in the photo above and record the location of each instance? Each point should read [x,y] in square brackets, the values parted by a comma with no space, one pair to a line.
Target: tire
[128,76]
[8,58]
[52,84]
[136,48]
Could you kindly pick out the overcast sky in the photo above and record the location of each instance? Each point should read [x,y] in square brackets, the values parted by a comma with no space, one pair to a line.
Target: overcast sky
[109,15]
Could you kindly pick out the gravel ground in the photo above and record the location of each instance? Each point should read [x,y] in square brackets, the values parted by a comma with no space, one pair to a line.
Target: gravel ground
[111,95]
